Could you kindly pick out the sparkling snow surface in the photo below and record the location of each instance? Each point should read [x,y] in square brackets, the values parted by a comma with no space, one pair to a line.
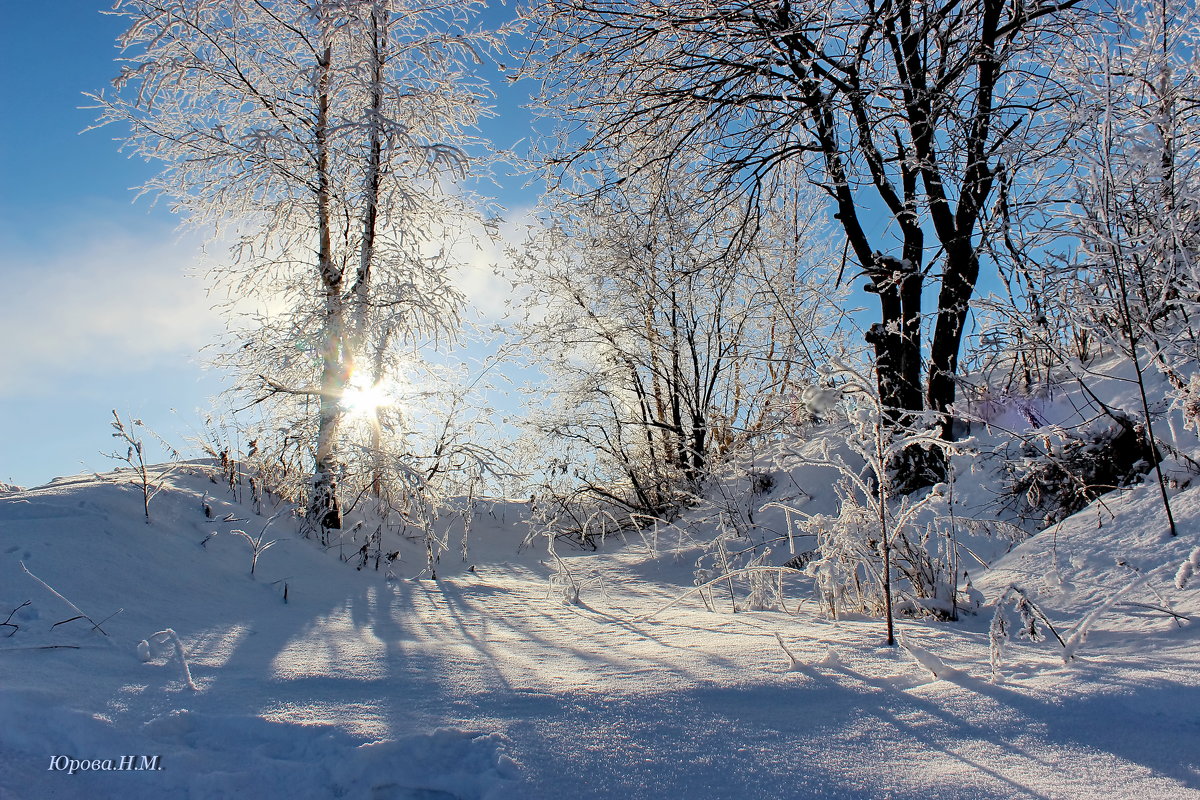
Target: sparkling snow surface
[485,685]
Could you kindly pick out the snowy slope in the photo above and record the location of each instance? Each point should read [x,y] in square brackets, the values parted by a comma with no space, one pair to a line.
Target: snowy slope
[485,685]
[250,654]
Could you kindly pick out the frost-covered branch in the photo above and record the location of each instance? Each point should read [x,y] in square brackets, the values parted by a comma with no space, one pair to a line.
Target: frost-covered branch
[149,479]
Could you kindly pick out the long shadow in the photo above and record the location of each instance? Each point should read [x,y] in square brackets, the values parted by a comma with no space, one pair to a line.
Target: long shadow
[386,661]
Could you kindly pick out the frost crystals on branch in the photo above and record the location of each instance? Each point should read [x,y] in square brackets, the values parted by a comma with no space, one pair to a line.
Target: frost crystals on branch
[319,137]
[918,111]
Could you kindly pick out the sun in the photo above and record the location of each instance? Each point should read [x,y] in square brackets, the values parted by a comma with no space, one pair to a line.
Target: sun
[363,397]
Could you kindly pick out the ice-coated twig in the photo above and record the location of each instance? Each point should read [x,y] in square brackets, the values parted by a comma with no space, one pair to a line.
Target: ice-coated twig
[1079,634]
[567,585]
[718,579]
[788,511]
[934,665]
[793,662]
[1187,569]
[1030,615]
[75,608]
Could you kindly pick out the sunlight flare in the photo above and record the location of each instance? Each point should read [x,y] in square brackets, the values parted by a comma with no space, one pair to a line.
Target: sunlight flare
[364,396]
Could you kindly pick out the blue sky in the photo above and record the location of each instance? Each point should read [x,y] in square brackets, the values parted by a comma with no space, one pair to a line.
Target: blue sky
[100,309]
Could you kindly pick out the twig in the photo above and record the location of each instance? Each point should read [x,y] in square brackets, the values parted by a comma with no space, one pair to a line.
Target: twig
[9,623]
[727,576]
[256,544]
[795,664]
[43,647]
[162,637]
[75,608]
[1169,612]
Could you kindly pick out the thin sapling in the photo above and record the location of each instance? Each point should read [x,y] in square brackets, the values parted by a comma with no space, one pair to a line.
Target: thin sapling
[149,479]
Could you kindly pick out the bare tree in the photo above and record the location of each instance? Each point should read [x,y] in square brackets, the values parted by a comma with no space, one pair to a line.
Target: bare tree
[320,133]
[909,114]
[668,342]
[1135,210]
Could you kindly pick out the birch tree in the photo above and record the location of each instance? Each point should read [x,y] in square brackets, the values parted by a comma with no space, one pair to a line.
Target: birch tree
[319,135]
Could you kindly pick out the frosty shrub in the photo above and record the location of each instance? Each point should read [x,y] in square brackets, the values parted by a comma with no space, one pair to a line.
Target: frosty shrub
[915,535]
[148,478]
[1017,615]
[564,583]
[882,543]
[740,577]
[1060,470]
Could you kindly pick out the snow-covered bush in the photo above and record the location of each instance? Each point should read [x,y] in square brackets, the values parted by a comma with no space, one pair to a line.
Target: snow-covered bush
[1059,470]
[914,534]
[733,571]
[882,542]
[565,584]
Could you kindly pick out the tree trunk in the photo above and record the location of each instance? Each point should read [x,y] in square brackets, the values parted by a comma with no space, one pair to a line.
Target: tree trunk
[898,360]
[324,508]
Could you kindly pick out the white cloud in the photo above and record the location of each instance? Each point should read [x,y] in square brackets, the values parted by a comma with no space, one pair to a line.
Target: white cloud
[108,301]
[100,302]
[483,276]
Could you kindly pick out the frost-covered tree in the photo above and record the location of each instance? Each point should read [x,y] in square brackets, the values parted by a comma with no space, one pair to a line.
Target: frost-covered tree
[670,337]
[1136,206]
[909,114]
[1136,209]
[319,135]
[1114,267]
[1112,254]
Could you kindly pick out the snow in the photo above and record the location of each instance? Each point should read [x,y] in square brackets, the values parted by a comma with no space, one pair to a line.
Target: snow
[485,684]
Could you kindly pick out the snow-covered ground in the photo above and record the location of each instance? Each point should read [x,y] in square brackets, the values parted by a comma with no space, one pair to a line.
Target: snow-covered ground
[484,684]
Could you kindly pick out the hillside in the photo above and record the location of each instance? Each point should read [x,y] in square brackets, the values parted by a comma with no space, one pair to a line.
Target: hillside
[485,684]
